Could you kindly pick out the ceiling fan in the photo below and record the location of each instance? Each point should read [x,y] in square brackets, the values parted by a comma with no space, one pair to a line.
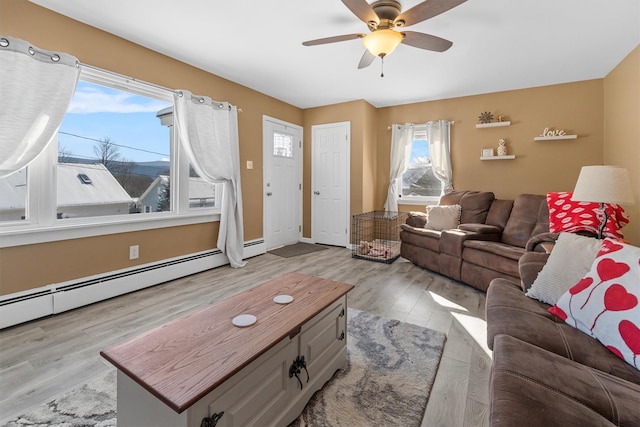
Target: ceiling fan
[382,17]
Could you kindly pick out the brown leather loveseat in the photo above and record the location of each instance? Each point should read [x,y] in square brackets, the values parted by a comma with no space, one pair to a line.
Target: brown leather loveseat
[492,236]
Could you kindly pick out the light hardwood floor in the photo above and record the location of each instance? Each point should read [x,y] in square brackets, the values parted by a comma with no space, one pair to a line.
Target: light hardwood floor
[46,357]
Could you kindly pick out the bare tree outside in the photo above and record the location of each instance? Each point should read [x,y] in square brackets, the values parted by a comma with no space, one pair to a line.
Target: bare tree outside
[107,153]
[64,155]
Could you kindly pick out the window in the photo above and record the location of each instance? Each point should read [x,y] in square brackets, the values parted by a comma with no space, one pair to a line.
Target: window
[282,145]
[113,137]
[115,160]
[13,196]
[419,185]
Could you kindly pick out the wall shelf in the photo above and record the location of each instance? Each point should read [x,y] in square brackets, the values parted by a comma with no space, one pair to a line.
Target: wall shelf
[509,157]
[493,124]
[549,138]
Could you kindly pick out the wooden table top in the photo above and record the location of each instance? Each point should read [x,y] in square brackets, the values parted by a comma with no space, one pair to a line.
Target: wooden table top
[182,361]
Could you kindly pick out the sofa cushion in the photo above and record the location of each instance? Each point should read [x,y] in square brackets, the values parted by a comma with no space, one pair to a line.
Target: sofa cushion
[606,302]
[494,256]
[533,387]
[420,237]
[416,219]
[509,311]
[443,217]
[491,247]
[480,228]
[499,213]
[529,265]
[475,204]
[569,261]
[573,216]
[529,216]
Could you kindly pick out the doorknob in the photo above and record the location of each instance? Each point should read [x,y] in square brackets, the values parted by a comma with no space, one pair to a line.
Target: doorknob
[269,193]
[317,193]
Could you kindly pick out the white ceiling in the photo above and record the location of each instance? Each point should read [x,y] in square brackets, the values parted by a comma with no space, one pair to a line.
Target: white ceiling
[497,45]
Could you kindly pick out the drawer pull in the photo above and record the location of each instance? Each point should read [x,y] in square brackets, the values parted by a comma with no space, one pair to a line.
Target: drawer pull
[212,420]
[341,337]
[296,369]
[342,313]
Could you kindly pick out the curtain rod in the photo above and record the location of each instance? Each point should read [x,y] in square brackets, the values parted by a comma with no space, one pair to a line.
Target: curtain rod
[102,70]
[452,122]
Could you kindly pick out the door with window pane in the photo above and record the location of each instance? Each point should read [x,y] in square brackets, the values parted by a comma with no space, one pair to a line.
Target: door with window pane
[282,183]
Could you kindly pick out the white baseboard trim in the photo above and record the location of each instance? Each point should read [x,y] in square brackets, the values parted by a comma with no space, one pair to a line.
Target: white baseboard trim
[25,310]
[30,305]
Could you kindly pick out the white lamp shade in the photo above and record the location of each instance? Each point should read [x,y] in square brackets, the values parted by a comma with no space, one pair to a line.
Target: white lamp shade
[603,184]
[382,42]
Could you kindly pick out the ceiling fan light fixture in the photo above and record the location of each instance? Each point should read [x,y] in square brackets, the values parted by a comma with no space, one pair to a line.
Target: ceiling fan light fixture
[382,42]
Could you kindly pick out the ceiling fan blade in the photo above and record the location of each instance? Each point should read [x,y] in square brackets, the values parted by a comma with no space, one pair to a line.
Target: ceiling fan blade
[333,39]
[362,10]
[425,41]
[366,59]
[426,10]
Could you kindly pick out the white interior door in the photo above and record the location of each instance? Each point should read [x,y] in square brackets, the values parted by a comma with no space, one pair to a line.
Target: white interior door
[282,181]
[330,183]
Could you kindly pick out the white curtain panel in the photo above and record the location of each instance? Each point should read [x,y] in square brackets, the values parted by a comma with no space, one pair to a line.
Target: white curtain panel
[401,143]
[209,132]
[438,135]
[36,87]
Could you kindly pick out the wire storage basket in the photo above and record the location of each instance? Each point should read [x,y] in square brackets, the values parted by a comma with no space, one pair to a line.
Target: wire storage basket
[375,235]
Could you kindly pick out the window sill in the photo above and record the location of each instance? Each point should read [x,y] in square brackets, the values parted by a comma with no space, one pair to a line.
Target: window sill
[423,201]
[92,227]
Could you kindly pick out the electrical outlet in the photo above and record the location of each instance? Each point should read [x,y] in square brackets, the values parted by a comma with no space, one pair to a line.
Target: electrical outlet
[134,252]
[249,164]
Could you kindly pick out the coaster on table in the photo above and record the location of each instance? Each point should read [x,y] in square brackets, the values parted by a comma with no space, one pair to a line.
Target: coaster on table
[244,320]
[282,299]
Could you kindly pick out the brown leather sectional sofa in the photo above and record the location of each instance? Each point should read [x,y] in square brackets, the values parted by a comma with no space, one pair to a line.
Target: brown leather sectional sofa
[547,373]
[492,236]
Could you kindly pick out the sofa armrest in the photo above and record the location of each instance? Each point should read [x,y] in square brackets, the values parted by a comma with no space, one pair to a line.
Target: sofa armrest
[529,266]
[417,219]
[452,241]
[533,244]
[480,228]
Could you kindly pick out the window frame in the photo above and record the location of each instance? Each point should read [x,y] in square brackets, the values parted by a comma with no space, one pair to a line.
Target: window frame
[41,225]
[419,133]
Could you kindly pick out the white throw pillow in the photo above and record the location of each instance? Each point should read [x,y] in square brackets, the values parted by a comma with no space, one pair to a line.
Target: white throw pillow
[443,217]
[570,259]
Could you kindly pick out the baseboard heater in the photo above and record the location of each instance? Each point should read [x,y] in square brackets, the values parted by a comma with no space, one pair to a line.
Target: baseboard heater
[57,298]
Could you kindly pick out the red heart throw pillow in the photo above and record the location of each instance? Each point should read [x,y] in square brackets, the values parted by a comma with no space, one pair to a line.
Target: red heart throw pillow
[616,298]
[605,304]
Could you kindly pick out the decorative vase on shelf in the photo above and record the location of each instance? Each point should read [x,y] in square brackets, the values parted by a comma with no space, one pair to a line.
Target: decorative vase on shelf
[502,148]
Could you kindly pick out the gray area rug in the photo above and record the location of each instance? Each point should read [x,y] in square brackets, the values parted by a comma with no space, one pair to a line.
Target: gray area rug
[296,249]
[390,370]
[391,367]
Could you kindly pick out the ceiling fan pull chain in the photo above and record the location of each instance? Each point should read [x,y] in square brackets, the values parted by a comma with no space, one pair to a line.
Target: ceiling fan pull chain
[382,67]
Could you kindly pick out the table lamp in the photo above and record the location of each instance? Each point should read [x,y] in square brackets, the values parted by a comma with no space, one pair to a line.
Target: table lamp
[603,184]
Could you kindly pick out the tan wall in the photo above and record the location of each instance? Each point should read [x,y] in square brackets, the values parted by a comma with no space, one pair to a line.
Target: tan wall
[539,167]
[369,160]
[49,30]
[57,262]
[622,130]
